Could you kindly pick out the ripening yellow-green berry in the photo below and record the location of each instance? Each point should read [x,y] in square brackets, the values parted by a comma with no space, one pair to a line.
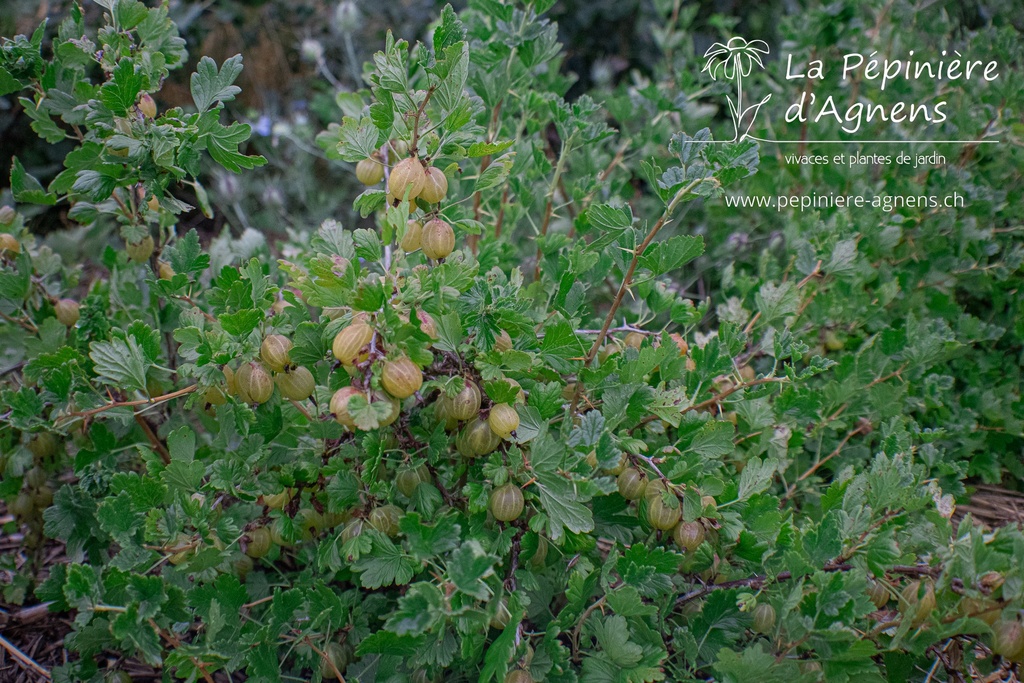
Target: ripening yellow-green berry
[401,377]
[66,311]
[503,420]
[350,342]
[506,502]
[370,171]
[339,405]
[411,241]
[466,404]
[147,106]
[274,351]
[254,382]
[140,251]
[435,186]
[438,239]
[407,179]
[503,342]
[9,245]
[296,383]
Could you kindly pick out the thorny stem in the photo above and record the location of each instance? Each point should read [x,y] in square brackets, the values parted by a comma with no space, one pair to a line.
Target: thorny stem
[323,655]
[413,145]
[140,402]
[758,581]
[626,281]
[550,207]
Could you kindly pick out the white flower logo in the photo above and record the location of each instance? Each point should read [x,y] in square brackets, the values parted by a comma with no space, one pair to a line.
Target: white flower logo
[735,60]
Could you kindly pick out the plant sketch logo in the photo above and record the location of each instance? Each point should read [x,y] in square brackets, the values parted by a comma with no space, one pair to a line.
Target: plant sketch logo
[735,60]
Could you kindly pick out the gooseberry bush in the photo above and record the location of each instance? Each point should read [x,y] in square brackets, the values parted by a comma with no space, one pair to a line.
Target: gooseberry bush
[428,447]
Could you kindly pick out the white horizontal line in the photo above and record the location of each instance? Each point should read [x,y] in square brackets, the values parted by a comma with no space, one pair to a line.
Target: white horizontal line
[877,142]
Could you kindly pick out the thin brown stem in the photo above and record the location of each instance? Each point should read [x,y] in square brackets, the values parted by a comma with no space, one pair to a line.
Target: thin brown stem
[413,145]
[140,402]
[323,655]
[860,429]
[158,445]
[624,287]
[22,322]
[23,658]
[549,208]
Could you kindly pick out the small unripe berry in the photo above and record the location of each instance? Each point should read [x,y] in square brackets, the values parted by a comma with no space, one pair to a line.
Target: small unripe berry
[23,506]
[413,235]
[351,530]
[507,502]
[518,676]
[165,271]
[259,542]
[986,610]
[35,477]
[66,311]
[655,488]
[385,519]
[503,420]
[229,380]
[350,341]
[254,382]
[274,351]
[707,502]
[44,446]
[407,179]
[147,106]
[634,340]
[297,384]
[339,405]
[399,148]
[477,439]
[502,616]
[394,412]
[409,479]
[277,501]
[153,204]
[43,497]
[541,554]
[435,186]
[427,324]
[632,483]
[684,348]
[141,251]
[213,397]
[338,656]
[915,605]
[688,535]
[1008,639]
[401,377]
[878,594]
[661,514]
[242,564]
[9,245]
[438,240]
[833,342]
[311,522]
[503,342]
[764,618]
[466,404]
[183,541]
[7,215]
[369,171]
